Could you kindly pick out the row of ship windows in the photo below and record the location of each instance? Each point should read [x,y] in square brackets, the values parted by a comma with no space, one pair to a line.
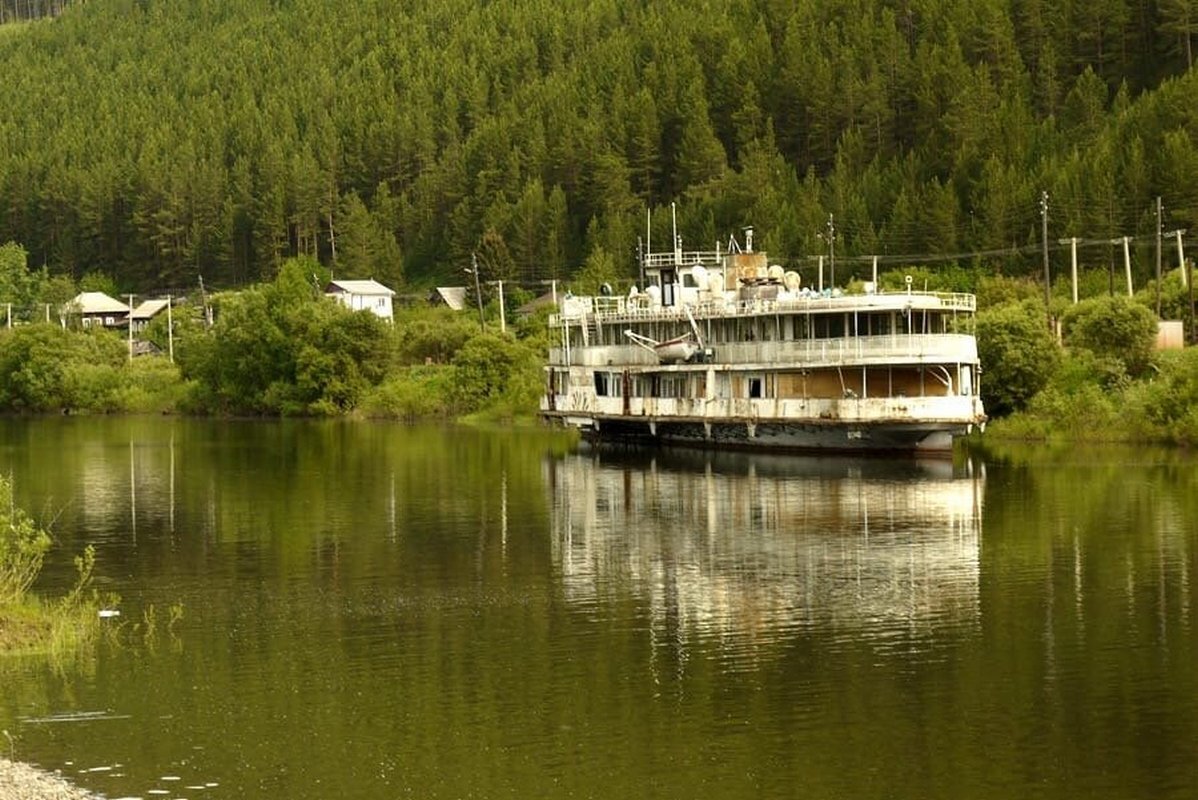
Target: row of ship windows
[793,327]
[870,382]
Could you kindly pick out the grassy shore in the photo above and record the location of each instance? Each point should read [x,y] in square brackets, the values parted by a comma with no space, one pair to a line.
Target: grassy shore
[31,625]
[46,630]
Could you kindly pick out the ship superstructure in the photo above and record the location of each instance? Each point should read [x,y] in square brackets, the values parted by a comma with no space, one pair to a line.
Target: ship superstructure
[724,349]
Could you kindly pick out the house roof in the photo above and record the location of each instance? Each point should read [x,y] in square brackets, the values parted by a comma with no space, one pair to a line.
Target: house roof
[97,303]
[452,296]
[370,287]
[547,299]
[149,308]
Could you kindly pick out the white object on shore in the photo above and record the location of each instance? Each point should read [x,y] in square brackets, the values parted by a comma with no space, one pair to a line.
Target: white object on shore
[108,613]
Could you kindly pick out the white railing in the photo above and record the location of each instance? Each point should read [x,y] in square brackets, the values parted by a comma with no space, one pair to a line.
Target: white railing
[621,309]
[688,258]
[915,348]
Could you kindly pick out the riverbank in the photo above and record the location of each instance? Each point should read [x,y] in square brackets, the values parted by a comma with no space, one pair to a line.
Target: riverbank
[30,624]
[23,782]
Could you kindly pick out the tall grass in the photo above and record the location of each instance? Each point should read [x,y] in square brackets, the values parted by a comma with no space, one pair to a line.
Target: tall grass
[23,546]
[30,624]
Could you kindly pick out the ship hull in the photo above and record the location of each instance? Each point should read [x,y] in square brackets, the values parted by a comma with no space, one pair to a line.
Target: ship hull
[921,437]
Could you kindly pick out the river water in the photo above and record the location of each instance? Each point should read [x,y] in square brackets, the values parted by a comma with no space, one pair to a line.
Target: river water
[378,611]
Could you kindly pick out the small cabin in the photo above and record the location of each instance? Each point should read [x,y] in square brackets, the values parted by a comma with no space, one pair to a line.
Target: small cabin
[368,295]
[98,309]
[141,316]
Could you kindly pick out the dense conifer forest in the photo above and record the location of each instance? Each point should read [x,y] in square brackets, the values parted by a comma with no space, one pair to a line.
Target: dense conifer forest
[157,142]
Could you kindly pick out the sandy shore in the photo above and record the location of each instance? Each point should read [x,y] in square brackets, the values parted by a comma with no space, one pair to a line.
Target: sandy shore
[23,782]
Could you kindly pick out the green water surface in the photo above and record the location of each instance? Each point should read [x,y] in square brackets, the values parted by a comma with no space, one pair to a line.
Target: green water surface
[376,611]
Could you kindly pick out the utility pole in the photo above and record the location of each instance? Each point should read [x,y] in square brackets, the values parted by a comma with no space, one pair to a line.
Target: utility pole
[640,259]
[502,313]
[1072,242]
[204,304]
[1181,257]
[1044,239]
[1159,228]
[1126,242]
[832,248]
[552,284]
[129,320]
[478,294]
[332,235]
[170,330]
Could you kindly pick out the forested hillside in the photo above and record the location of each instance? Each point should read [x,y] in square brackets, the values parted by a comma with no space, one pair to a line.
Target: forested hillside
[161,140]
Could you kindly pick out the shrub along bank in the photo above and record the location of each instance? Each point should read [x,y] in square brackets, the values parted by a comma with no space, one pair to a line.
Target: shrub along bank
[1102,381]
[28,623]
[281,348]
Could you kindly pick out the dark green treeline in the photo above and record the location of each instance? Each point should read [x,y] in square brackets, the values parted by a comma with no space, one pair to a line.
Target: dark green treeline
[160,141]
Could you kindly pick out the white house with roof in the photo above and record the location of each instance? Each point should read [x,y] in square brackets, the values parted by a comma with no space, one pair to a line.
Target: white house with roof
[97,308]
[367,295]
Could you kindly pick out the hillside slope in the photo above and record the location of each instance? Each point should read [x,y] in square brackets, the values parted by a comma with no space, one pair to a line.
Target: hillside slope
[158,141]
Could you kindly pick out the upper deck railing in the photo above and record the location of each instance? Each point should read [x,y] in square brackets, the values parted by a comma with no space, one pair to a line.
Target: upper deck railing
[909,347]
[626,309]
[683,259]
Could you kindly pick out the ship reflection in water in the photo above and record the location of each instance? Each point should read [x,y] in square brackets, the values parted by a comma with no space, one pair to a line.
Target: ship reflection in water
[750,549]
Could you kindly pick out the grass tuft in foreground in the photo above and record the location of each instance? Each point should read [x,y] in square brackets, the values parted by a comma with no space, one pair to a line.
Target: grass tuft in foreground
[31,625]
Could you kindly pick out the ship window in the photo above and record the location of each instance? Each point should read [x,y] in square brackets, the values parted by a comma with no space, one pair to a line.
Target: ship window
[688,280]
[602,384]
[755,387]
[829,326]
[673,386]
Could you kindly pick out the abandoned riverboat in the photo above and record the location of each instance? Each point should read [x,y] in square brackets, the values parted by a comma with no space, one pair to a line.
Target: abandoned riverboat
[721,349]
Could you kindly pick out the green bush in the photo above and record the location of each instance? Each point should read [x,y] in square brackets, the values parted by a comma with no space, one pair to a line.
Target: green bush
[412,393]
[1114,328]
[149,384]
[950,278]
[91,386]
[45,368]
[1085,412]
[284,348]
[23,545]
[1175,298]
[432,335]
[1018,355]
[1000,290]
[496,373]
[1168,404]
